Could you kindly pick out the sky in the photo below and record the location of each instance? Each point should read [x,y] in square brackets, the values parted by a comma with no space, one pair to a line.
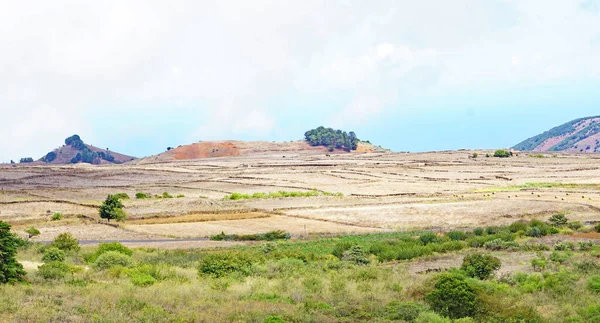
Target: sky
[138,76]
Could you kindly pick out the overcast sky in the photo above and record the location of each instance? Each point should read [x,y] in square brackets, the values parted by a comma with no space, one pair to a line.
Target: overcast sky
[138,76]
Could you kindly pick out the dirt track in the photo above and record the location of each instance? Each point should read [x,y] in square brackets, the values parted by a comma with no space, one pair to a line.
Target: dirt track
[382,191]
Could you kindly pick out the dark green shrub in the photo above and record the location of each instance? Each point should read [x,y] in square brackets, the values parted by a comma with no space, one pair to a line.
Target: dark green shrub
[112,208]
[166,195]
[501,153]
[53,254]
[429,237]
[357,255]
[558,220]
[106,247]
[54,270]
[492,230]
[223,264]
[587,266]
[480,266]
[478,231]
[453,297]
[111,259]
[50,157]
[140,195]
[457,235]
[499,244]
[559,257]
[65,242]
[32,232]
[56,216]
[534,232]
[597,227]
[10,270]
[518,226]
[593,284]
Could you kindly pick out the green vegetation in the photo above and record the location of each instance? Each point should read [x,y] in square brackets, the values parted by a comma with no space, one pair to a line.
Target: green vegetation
[121,196]
[361,278]
[269,236]
[332,139]
[65,242]
[32,232]
[280,194]
[57,216]
[166,195]
[140,195]
[10,270]
[49,157]
[53,254]
[112,208]
[534,185]
[26,160]
[501,153]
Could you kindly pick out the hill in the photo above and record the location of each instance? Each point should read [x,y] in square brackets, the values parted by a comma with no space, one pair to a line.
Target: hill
[231,148]
[76,151]
[580,135]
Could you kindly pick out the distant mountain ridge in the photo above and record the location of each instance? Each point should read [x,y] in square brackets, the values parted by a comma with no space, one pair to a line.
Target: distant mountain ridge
[580,135]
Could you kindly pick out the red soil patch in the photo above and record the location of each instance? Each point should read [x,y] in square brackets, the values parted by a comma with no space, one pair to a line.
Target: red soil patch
[587,235]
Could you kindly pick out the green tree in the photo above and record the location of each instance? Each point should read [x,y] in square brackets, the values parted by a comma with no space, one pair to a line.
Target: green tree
[66,242]
[480,266]
[32,232]
[112,208]
[453,297]
[10,270]
[26,160]
[50,157]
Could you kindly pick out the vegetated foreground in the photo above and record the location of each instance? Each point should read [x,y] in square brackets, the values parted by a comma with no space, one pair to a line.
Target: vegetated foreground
[339,238]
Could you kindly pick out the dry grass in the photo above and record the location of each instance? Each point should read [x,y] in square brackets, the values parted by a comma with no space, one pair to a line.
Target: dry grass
[189,218]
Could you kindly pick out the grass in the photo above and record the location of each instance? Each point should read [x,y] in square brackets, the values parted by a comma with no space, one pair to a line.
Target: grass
[280,194]
[300,281]
[190,218]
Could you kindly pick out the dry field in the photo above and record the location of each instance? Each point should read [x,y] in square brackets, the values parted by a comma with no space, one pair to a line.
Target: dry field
[384,191]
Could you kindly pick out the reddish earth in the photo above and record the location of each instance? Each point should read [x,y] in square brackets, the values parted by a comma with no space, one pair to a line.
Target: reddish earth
[587,235]
[232,148]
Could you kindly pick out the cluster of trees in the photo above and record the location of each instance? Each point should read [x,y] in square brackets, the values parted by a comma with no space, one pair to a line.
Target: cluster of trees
[26,160]
[112,208]
[86,156]
[331,138]
[49,157]
[75,142]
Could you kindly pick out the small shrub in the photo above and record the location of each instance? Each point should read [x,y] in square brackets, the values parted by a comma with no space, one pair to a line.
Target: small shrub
[140,195]
[478,231]
[480,266]
[111,259]
[403,311]
[357,255]
[492,230]
[431,317]
[222,264]
[534,232]
[501,153]
[593,284]
[341,247]
[274,319]
[453,297]
[57,216]
[562,246]
[576,225]
[53,254]
[585,245]
[539,263]
[597,227]
[32,232]
[122,196]
[518,226]
[429,237]
[475,155]
[142,280]
[457,235]
[559,257]
[54,270]
[106,247]
[180,196]
[166,195]
[499,244]
[66,242]
[558,220]
[587,266]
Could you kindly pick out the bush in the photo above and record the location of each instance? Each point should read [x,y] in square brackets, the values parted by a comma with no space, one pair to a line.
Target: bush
[501,153]
[56,216]
[478,231]
[559,257]
[122,196]
[453,297]
[66,242]
[32,232]
[10,270]
[518,226]
[166,195]
[429,237]
[341,247]
[558,220]
[54,270]
[430,317]
[539,263]
[50,157]
[140,195]
[403,311]
[111,259]
[593,284]
[112,208]
[109,246]
[499,244]
[597,227]
[269,236]
[274,319]
[357,255]
[53,254]
[576,225]
[222,264]
[142,280]
[456,235]
[480,266]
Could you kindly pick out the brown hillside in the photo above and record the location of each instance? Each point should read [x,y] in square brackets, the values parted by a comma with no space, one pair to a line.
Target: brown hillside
[232,148]
[577,136]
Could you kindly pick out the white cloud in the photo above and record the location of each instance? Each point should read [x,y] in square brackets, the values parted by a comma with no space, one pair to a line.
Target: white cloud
[231,59]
